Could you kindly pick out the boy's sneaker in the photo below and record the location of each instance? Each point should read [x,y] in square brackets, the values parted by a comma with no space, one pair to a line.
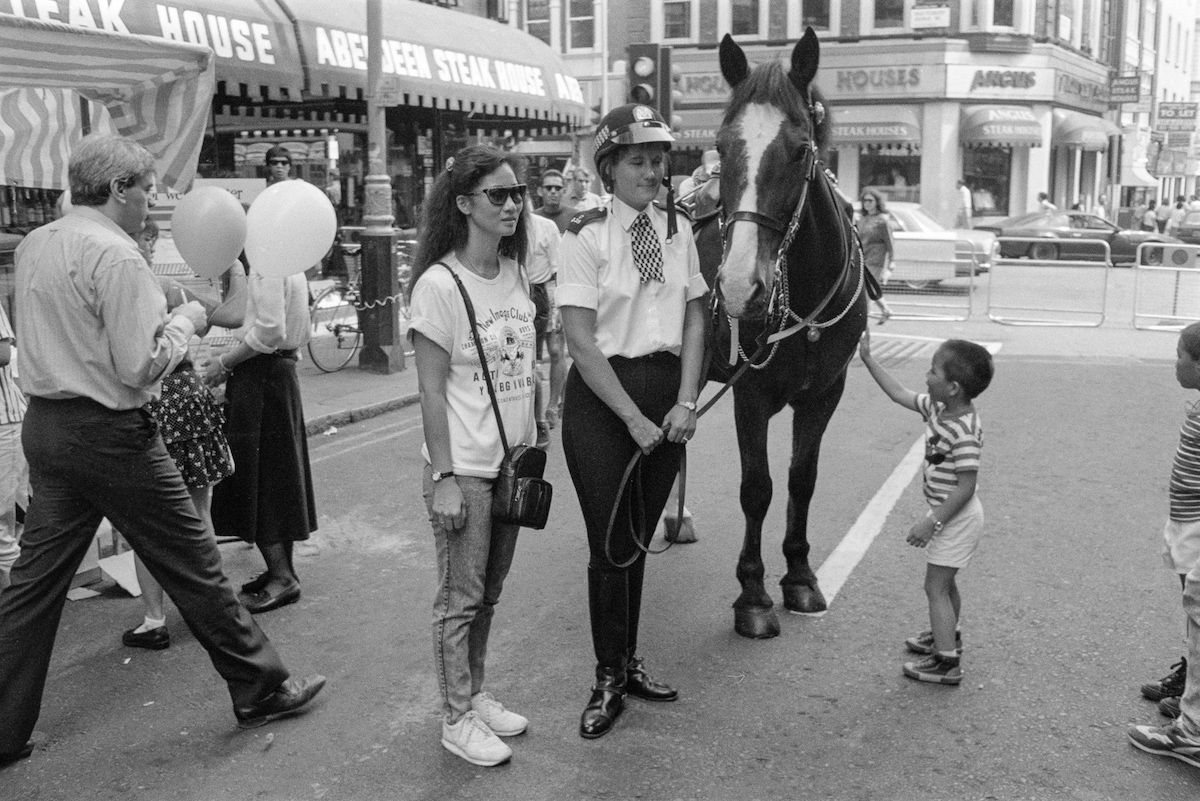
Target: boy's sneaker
[501,721]
[1169,707]
[471,739]
[1166,741]
[935,668]
[923,643]
[1168,686]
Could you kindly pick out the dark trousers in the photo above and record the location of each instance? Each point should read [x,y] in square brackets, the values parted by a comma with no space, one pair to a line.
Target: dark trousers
[598,447]
[87,462]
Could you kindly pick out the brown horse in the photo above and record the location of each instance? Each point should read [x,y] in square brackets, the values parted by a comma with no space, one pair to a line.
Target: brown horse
[789,280]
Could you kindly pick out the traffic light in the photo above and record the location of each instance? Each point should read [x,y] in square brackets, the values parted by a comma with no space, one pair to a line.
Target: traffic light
[649,73]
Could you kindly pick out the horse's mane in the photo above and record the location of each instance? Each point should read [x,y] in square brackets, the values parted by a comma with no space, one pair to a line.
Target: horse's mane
[770,84]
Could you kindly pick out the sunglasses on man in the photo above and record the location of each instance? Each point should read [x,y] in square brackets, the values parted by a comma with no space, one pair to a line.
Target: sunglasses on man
[553,187]
[499,195]
[276,162]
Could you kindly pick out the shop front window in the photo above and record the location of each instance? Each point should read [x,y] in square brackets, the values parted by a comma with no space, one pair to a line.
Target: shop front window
[986,171]
[895,173]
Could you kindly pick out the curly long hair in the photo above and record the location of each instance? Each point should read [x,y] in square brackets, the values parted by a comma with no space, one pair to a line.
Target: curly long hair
[443,227]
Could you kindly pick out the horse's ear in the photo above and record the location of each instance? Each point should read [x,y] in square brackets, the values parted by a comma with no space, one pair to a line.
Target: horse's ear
[806,56]
[734,66]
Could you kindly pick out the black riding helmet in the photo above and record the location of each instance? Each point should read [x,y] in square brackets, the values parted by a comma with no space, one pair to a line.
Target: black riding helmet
[636,124]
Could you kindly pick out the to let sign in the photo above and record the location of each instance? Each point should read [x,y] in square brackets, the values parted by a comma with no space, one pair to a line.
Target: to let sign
[1176,117]
[1125,89]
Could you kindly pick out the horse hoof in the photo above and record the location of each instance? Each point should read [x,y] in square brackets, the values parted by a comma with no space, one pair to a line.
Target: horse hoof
[755,622]
[802,599]
[679,529]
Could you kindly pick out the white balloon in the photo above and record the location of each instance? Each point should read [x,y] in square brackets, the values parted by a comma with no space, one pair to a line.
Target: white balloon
[290,226]
[209,229]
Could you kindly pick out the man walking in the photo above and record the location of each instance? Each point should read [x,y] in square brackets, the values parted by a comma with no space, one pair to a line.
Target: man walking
[96,338]
[964,205]
[554,205]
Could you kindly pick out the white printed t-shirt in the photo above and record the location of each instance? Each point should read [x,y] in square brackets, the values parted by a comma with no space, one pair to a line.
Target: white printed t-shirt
[504,313]
[953,442]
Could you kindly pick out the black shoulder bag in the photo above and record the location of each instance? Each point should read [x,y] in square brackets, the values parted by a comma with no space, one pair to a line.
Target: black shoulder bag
[520,495]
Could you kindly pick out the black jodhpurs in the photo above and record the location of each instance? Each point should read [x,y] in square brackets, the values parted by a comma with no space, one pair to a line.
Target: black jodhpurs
[87,462]
[598,447]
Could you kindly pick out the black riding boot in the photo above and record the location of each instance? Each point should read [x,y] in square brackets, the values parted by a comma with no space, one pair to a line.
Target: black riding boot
[640,685]
[606,704]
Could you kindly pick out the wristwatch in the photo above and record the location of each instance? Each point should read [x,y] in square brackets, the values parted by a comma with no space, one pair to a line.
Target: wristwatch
[439,476]
[689,405]
[937,524]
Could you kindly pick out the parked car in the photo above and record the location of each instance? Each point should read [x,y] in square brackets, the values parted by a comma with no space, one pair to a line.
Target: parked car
[1067,234]
[1189,229]
[913,229]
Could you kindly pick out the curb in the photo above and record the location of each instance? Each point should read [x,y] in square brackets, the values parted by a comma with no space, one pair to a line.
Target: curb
[318,424]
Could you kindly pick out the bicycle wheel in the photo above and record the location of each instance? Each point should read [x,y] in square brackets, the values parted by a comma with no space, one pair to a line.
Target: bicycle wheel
[333,328]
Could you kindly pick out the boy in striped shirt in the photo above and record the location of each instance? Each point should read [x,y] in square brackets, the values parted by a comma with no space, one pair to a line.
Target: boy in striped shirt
[953,524]
[1179,693]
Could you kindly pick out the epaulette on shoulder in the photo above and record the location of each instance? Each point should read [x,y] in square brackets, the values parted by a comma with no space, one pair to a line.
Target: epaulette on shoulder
[584,217]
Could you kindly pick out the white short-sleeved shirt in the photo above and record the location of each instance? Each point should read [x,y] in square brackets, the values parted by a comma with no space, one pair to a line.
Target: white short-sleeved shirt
[544,240]
[597,271]
[504,313]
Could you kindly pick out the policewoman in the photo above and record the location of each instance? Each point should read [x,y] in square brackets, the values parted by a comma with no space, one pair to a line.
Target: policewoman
[630,292]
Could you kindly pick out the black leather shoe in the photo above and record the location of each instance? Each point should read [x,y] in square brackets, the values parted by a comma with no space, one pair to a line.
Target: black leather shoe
[287,699]
[606,704]
[154,639]
[16,756]
[265,601]
[257,584]
[639,685]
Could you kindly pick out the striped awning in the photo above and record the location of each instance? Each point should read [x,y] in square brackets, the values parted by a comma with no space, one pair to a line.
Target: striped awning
[893,126]
[1084,131]
[157,93]
[1000,126]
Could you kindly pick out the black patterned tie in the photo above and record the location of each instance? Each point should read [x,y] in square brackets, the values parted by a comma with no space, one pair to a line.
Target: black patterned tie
[646,251]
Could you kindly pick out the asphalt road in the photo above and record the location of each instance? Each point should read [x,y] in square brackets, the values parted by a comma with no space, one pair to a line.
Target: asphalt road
[1067,610]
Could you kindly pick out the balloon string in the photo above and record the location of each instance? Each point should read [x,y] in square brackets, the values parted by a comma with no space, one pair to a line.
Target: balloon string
[375,304]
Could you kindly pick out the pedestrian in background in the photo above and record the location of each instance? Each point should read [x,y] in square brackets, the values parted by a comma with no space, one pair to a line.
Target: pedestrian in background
[632,301]
[875,235]
[1044,202]
[14,472]
[1181,554]
[1177,215]
[473,228]
[553,194]
[96,339]
[953,525]
[964,205]
[1150,218]
[541,266]
[1163,214]
[269,500]
[191,424]
[579,194]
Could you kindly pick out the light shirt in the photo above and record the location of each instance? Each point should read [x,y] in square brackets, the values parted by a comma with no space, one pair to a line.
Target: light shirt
[1163,211]
[597,271]
[1048,206]
[91,318]
[1193,205]
[12,399]
[590,200]
[541,262]
[964,198]
[504,314]
[276,313]
[1185,472]
[958,440]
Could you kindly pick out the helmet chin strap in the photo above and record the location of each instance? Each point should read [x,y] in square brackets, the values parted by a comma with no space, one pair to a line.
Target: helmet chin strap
[672,227]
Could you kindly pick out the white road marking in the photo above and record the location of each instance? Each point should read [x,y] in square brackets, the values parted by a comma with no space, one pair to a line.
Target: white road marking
[357,441]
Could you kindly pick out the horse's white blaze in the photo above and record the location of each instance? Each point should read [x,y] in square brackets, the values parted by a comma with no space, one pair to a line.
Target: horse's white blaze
[759,124]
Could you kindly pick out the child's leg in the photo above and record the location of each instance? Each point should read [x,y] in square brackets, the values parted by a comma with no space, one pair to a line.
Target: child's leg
[152,593]
[944,605]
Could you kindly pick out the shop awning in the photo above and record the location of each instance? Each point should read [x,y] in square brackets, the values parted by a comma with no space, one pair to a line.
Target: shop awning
[438,58]
[1136,175]
[155,92]
[876,126]
[1073,129]
[699,128]
[1000,126]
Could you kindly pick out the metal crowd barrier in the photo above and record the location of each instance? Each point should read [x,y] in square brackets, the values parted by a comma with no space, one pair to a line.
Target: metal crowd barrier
[933,276]
[1023,291]
[1166,286]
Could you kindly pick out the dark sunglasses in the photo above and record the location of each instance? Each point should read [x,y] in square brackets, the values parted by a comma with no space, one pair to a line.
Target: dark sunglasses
[278,161]
[554,188]
[932,455]
[498,195]
[868,200]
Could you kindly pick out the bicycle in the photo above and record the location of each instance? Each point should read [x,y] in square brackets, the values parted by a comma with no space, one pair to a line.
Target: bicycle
[335,333]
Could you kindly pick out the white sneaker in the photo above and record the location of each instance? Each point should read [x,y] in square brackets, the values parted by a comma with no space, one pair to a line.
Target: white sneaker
[502,722]
[471,739]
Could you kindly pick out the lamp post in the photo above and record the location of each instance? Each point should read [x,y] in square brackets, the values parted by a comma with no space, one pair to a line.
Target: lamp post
[382,347]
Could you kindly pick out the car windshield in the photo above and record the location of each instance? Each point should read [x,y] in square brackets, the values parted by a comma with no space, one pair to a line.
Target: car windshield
[913,219]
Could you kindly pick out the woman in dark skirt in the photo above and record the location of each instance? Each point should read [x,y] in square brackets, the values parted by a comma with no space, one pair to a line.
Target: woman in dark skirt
[269,499]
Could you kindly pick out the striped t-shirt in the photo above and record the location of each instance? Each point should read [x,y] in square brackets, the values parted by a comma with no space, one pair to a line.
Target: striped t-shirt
[12,399]
[1185,474]
[952,446]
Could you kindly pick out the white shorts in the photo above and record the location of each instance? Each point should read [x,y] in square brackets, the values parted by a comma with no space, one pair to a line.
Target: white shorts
[954,544]
[1181,545]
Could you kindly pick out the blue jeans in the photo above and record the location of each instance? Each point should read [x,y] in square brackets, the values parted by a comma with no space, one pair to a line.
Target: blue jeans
[472,565]
[1189,704]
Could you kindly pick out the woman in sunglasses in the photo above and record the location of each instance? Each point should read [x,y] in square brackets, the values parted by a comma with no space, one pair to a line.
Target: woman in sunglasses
[473,228]
[876,238]
[631,296]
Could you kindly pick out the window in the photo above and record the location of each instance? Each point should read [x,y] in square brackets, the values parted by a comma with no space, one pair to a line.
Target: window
[1003,13]
[583,24]
[745,17]
[987,170]
[677,20]
[889,13]
[537,19]
[815,14]
[896,174]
